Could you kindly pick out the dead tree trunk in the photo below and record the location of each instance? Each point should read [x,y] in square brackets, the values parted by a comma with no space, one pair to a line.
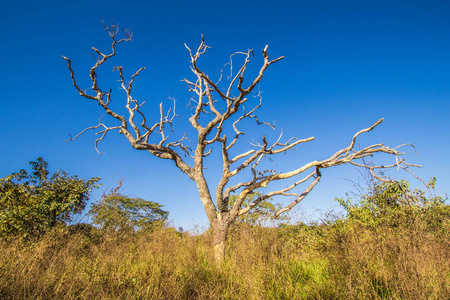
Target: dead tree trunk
[220,229]
[222,108]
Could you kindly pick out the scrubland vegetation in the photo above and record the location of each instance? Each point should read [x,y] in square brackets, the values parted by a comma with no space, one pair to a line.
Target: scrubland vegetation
[390,243]
[382,249]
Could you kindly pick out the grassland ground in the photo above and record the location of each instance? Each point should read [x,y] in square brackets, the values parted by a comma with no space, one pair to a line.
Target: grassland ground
[335,260]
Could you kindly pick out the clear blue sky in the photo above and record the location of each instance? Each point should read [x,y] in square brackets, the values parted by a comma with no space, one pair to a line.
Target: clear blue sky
[347,64]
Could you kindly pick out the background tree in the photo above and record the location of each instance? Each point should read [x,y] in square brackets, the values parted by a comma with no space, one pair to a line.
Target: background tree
[217,114]
[262,214]
[118,212]
[32,203]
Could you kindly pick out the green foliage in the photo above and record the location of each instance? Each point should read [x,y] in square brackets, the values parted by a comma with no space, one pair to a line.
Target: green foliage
[30,204]
[117,212]
[260,214]
[391,203]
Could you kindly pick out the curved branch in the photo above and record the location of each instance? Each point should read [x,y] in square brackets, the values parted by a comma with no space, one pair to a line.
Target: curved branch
[343,156]
[139,141]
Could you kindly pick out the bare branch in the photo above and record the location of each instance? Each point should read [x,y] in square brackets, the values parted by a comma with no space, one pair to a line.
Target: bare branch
[302,195]
[282,192]
[102,132]
[140,140]
[346,155]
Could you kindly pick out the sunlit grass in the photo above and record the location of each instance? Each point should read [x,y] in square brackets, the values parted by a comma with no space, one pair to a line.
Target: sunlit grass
[341,260]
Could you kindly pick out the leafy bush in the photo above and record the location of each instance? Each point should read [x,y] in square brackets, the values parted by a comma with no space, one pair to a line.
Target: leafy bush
[30,204]
[394,204]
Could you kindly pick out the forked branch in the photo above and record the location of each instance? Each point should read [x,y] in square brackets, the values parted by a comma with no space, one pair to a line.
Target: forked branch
[140,132]
[343,156]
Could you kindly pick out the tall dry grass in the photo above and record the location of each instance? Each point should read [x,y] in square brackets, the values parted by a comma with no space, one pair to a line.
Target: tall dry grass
[341,260]
[409,259]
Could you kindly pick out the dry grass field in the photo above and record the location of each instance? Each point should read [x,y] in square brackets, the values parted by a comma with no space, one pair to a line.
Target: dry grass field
[341,259]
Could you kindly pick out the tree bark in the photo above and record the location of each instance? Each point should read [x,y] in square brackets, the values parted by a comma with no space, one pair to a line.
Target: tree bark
[220,234]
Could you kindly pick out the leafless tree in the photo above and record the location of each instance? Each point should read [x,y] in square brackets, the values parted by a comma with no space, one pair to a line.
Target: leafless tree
[222,107]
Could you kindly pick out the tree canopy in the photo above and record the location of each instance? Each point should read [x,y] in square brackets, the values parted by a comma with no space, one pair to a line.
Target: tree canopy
[32,203]
[118,212]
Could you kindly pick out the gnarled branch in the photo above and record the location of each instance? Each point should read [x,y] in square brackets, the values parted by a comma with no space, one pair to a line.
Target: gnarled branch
[219,108]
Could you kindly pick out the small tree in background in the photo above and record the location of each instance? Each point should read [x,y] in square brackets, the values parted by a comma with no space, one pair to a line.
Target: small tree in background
[117,212]
[30,204]
[263,213]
